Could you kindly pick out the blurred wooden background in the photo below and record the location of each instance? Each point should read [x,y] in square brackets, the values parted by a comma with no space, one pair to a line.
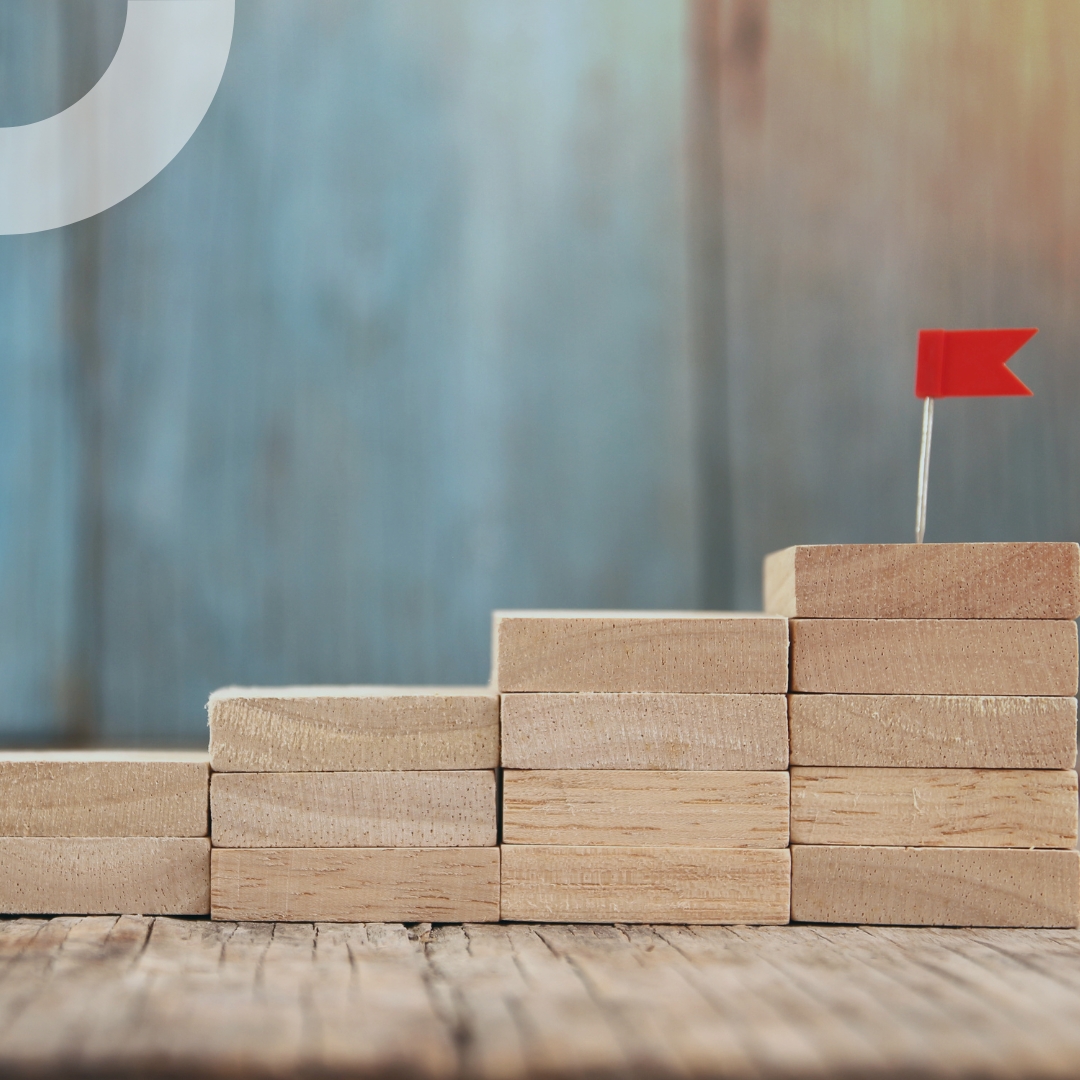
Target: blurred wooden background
[870,167]
[457,304]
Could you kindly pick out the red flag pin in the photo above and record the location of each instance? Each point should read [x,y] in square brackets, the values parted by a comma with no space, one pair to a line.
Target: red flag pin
[961,363]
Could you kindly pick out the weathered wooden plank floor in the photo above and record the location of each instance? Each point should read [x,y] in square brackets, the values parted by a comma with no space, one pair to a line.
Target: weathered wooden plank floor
[174,997]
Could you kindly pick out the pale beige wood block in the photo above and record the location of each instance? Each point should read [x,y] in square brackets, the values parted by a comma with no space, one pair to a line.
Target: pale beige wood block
[935,886]
[650,652]
[354,809]
[614,807]
[353,728]
[928,730]
[1031,657]
[103,793]
[644,731]
[645,885]
[112,875]
[924,581]
[993,808]
[356,884]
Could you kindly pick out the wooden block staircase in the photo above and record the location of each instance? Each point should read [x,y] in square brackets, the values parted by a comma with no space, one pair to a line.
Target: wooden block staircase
[893,741]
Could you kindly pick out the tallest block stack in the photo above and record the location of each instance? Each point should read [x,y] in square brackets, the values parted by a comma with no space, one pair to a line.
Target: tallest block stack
[933,732]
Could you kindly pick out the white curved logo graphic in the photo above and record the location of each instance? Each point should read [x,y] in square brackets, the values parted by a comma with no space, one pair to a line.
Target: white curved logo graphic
[131,124]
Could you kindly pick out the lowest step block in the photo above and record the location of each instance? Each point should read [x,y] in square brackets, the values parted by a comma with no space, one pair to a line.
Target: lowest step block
[104,833]
[103,793]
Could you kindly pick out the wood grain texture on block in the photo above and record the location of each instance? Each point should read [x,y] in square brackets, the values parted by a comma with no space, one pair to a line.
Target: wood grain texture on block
[933,730]
[353,728]
[650,652]
[103,793]
[935,886]
[993,808]
[656,809]
[924,581]
[645,885]
[644,731]
[356,884]
[354,809]
[1029,657]
[113,875]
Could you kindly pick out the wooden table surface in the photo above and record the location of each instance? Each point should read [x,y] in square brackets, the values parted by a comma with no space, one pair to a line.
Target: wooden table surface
[127,997]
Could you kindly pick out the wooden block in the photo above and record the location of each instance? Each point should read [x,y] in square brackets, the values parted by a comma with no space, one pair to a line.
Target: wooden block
[644,731]
[133,875]
[693,809]
[354,809]
[924,581]
[934,656]
[648,652]
[645,885]
[935,886]
[356,884]
[103,793]
[995,808]
[353,728]
[923,731]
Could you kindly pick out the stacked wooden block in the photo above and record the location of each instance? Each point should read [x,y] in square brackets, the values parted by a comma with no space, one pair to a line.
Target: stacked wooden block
[354,804]
[933,732]
[104,833]
[645,762]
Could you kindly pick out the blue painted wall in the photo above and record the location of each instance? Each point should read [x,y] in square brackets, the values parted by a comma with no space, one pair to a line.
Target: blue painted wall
[398,338]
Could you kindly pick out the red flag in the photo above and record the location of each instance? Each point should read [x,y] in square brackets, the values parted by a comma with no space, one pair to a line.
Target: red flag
[969,363]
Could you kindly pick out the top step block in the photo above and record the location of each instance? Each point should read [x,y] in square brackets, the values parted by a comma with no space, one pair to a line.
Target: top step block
[639,652]
[924,581]
[353,729]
